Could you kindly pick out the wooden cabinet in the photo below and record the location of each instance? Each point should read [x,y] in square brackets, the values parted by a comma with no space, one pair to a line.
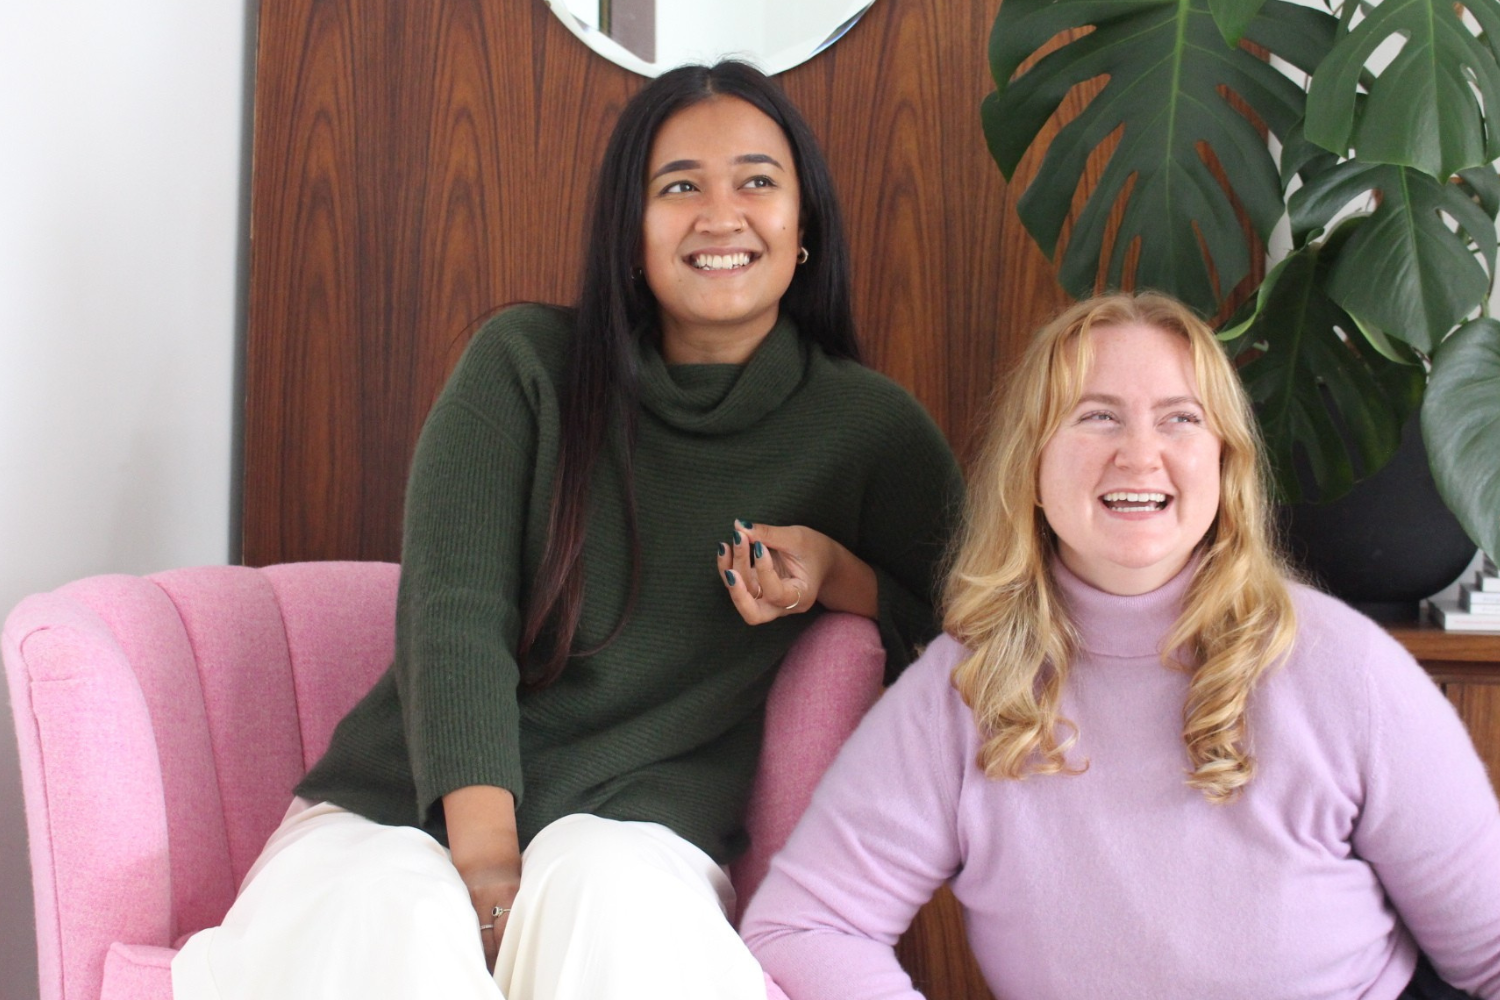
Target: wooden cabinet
[935,953]
[1467,666]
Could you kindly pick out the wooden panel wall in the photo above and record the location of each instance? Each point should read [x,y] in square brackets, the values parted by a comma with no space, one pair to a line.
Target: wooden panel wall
[419,164]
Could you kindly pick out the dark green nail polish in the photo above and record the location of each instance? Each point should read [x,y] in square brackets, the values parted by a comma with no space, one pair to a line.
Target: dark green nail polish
[746,524]
[737,538]
[723,549]
[758,551]
[729,577]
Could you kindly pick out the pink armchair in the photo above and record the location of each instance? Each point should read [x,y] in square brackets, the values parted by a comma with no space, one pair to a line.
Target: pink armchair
[163,721]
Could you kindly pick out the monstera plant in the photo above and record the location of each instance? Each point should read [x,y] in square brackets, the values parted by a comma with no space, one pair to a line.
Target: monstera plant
[1385,173]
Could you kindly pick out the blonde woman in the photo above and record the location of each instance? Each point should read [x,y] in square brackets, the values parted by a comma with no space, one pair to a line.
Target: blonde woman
[1150,765]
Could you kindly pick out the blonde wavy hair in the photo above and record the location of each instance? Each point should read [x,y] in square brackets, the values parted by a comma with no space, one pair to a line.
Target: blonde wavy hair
[1002,602]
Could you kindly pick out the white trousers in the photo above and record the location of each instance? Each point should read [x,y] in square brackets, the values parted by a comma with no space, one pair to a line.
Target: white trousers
[339,906]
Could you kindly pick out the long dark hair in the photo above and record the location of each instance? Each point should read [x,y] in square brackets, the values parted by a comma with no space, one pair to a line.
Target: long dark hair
[616,309]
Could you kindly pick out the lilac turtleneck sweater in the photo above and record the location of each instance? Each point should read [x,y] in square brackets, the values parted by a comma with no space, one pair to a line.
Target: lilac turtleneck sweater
[1370,822]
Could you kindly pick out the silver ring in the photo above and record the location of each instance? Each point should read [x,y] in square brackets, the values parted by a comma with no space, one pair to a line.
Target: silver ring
[499,910]
[486,927]
[793,605]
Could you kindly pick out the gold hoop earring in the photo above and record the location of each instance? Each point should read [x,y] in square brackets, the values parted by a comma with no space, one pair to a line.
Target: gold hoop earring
[802,255]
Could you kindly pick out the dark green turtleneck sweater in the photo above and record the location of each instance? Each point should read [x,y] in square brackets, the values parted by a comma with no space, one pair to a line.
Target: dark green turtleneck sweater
[664,723]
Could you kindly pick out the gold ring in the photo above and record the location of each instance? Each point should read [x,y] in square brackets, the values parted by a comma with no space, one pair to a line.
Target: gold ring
[794,604]
[486,927]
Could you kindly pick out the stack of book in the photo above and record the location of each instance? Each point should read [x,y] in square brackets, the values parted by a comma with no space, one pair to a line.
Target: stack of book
[1477,607]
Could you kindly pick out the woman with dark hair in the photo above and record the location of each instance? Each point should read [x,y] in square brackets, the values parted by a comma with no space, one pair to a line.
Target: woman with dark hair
[619,518]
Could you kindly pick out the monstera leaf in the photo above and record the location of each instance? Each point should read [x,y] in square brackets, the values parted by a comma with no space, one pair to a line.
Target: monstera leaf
[1234,16]
[1461,428]
[1483,185]
[1306,160]
[1404,271]
[1426,109]
[1323,404]
[1167,63]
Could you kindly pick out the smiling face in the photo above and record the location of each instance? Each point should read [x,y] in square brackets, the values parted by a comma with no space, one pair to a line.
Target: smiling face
[721,230]
[1129,483]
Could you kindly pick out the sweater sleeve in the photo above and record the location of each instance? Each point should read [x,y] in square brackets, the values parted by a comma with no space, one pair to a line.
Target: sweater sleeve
[879,837]
[1429,824]
[910,510]
[459,612]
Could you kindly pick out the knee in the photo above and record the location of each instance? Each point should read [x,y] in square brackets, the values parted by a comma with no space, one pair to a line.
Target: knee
[605,861]
[402,878]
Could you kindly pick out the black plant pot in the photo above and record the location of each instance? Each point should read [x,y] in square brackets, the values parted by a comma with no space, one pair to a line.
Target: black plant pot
[1387,544]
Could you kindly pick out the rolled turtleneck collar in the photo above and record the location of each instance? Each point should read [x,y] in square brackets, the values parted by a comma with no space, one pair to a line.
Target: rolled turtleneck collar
[1110,625]
[719,398]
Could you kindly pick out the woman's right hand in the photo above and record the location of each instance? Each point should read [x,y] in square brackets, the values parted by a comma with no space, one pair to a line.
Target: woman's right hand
[482,840]
[773,571]
[492,890]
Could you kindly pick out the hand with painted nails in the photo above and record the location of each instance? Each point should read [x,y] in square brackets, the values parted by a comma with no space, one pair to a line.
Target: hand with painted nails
[772,571]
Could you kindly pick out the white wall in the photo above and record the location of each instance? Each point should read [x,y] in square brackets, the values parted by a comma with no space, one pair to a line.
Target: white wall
[120,253]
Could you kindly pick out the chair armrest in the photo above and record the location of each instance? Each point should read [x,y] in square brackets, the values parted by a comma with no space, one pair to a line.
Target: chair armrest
[84,782]
[829,679]
[138,972]
[773,992]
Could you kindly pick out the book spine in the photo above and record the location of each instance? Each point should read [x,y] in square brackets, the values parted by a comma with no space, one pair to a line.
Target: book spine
[1448,614]
[1479,601]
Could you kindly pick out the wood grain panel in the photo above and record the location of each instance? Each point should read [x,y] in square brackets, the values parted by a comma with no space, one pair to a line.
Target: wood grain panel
[1450,654]
[301,438]
[935,953]
[1467,665]
[1478,705]
[896,104]
[417,166]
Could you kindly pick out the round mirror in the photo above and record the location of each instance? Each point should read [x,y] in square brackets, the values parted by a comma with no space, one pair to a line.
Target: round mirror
[652,36]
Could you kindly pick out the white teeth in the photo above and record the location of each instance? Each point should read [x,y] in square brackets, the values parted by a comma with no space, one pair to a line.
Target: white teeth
[1122,497]
[720,262]
[1126,502]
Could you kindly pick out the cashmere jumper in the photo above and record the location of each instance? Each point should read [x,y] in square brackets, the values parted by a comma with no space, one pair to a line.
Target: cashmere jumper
[1369,829]
[664,723]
